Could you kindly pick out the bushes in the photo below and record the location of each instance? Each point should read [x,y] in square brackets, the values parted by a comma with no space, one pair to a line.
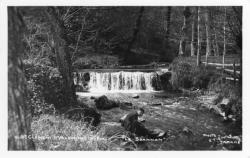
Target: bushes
[204,76]
[181,74]
[162,82]
[47,95]
[185,74]
[35,97]
[37,101]
[46,84]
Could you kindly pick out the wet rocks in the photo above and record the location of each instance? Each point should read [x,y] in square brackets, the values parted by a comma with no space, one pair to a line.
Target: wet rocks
[135,96]
[126,105]
[103,103]
[159,133]
[216,110]
[228,109]
[156,104]
[92,97]
[187,131]
[156,82]
[225,102]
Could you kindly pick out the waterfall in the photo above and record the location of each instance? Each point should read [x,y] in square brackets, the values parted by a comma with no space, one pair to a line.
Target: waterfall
[121,81]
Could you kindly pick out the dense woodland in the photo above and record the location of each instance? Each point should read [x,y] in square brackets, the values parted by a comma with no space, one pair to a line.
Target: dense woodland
[48,44]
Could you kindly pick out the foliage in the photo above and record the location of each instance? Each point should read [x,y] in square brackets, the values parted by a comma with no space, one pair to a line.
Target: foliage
[37,101]
[92,61]
[164,80]
[105,30]
[38,42]
[204,76]
[46,85]
[182,73]
[185,74]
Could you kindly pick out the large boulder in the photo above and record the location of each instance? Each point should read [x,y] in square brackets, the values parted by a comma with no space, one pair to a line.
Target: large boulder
[159,133]
[79,88]
[86,76]
[103,103]
[156,82]
[227,107]
[136,96]
[165,81]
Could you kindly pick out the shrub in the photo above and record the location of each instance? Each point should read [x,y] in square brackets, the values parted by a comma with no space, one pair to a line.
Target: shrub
[181,74]
[185,74]
[47,82]
[35,97]
[203,76]
[37,101]
[164,80]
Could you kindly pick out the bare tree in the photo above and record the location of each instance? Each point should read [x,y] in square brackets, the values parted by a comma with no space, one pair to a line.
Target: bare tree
[208,33]
[215,43]
[224,38]
[136,28]
[19,114]
[166,37]
[185,27]
[194,33]
[237,32]
[198,37]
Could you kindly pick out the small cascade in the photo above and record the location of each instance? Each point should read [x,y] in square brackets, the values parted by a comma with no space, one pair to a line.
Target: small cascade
[121,81]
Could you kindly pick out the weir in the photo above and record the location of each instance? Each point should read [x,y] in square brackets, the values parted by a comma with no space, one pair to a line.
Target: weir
[118,81]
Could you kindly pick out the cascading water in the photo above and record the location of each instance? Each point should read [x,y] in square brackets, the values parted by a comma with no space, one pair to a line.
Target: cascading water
[119,81]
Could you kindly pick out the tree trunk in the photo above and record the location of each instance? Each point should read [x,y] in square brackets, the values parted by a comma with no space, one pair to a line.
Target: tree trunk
[224,37]
[19,114]
[238,39]
[198,38]
[63,56]
[166,37]
[208,34]
[184,32]
[194,34]
[216,46]
[214,40]
[136,29]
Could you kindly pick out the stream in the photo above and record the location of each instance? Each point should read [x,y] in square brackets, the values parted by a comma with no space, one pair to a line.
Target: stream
[168,111]
[172,112]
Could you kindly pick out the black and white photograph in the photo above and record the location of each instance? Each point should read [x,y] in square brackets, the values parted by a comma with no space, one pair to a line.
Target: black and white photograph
[125,78]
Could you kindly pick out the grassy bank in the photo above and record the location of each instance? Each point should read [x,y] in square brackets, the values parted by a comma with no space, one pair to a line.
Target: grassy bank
[58,133]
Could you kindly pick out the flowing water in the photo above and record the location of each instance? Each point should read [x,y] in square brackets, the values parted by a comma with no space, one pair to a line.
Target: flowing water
[121,81]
